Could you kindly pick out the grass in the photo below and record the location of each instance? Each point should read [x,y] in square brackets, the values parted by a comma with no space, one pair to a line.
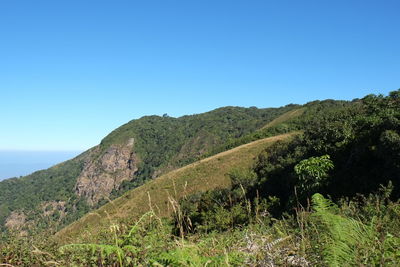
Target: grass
[358,232]
[206,174]
[285,117]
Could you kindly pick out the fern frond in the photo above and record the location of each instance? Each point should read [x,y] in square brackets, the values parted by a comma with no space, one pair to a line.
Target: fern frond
[93,248]
[344,237]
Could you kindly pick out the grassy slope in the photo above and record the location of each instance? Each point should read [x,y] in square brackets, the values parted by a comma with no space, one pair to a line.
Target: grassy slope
[285,117]
[161,145]
[203,175]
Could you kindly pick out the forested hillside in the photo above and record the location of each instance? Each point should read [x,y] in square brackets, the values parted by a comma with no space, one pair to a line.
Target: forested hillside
[209,173]
[310,185]
[137,151]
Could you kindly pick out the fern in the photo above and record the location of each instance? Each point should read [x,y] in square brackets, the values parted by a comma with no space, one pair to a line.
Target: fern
[346,241]
[80,252]
[144,235]
[191,256]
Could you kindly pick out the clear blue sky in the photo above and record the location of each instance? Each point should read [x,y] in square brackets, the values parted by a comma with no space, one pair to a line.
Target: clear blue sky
[19,163]
[72,71]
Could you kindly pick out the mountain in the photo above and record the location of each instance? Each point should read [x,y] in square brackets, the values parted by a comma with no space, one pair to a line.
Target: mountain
[140,150]
[209,173]
[310,185]
[206,174]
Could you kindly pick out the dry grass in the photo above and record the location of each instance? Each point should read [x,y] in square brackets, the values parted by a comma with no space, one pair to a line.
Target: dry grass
[285,117]
[207,174]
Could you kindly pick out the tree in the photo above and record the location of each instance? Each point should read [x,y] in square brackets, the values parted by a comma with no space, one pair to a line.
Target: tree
[313,173]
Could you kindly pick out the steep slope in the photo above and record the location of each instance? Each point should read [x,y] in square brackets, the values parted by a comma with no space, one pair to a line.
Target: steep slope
[44,192]
[233,217]
[203,175]
[137,151]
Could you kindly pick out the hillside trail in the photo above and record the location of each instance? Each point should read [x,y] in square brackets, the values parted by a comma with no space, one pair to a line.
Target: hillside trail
[233,150]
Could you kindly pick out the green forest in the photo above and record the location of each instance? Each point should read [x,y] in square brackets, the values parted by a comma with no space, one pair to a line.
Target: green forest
[326,196]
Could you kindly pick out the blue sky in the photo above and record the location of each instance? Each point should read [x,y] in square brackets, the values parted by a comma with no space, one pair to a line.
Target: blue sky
[72,71]
[19,163]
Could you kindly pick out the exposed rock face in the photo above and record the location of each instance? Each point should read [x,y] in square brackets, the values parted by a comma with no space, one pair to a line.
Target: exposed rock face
[105,173]
[16,220]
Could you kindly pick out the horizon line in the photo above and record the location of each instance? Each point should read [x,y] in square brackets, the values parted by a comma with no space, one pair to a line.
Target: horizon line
[42,150]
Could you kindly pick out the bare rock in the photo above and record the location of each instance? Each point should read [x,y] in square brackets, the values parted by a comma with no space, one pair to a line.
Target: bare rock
[106,172]
[16,220]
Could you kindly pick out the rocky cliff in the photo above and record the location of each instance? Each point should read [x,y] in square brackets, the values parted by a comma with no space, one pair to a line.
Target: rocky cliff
[63,193]
[100,176]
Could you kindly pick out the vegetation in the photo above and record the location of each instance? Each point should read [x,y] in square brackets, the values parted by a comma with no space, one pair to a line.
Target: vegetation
[323,193]
[31,193]
[356,138]
[354,233]
[48,200]
[163,192]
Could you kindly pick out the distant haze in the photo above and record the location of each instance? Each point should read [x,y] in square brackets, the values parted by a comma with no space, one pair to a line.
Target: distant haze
[20,163]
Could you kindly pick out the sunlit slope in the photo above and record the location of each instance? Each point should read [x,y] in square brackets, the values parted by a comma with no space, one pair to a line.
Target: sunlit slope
[285,117]
[137,151]
[203,175]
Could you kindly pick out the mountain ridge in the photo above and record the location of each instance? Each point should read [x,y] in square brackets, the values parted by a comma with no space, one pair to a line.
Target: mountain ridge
[198,176]
[65,192]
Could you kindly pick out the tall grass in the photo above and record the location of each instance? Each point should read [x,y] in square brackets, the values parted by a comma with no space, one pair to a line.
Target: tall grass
[358,232]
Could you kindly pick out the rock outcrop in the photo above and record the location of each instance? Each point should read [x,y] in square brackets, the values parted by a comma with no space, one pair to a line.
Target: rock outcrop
[16,220]
[106,171]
